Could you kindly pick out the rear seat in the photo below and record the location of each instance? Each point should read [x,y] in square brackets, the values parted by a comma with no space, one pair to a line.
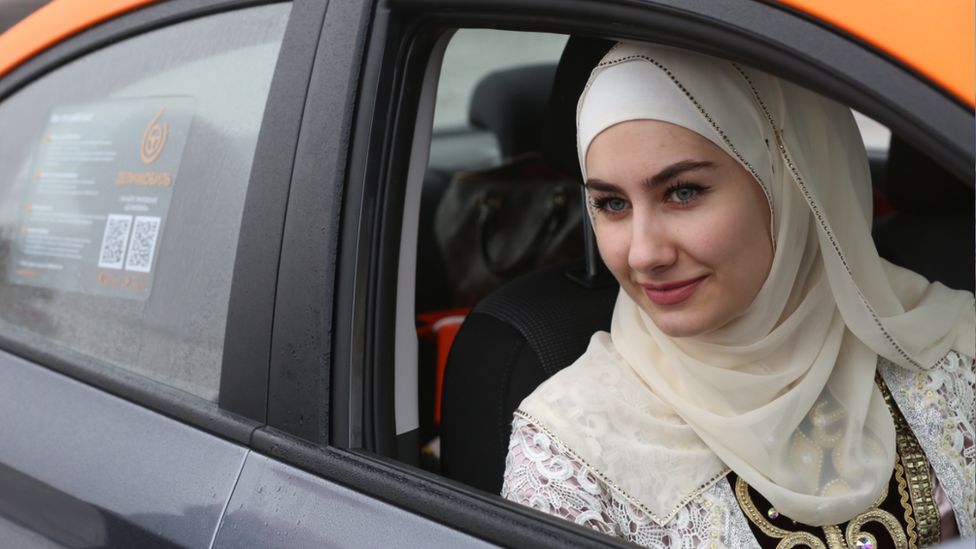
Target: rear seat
[511,104]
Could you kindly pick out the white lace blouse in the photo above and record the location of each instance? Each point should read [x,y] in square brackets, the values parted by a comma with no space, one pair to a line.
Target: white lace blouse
[939,407]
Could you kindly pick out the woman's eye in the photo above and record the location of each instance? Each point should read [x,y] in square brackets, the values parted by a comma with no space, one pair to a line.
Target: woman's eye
[616,204]
[683,194]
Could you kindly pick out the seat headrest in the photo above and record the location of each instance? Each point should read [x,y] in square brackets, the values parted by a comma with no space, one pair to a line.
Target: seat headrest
[559,136]
[915,184]
[512,104]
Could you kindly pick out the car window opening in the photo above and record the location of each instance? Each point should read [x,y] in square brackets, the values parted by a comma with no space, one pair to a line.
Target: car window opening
[494,209]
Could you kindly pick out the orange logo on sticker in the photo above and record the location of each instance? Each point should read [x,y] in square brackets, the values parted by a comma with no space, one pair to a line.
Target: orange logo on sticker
[154,138]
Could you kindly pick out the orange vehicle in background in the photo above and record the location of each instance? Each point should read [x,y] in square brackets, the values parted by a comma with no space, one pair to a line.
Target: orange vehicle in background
[935,38]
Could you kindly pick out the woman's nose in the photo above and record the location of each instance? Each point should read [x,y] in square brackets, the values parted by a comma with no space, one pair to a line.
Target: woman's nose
[651,247]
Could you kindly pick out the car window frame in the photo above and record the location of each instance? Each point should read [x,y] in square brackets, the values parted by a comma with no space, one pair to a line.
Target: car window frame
[240,409]
[249,336]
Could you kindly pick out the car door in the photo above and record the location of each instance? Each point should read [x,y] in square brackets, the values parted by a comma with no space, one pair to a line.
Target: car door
[128,154]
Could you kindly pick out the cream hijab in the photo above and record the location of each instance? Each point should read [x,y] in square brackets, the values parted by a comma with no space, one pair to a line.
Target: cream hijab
[784,394]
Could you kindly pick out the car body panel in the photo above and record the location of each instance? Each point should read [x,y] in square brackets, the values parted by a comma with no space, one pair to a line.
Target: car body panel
[99,468]
[53,23]
[276,505]
[21,537]
[904,29]
[907,30]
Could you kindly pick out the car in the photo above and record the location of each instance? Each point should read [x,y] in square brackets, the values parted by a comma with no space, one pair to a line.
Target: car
[215,239]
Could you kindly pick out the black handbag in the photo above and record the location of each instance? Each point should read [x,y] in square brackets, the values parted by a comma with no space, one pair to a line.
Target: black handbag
[495,224]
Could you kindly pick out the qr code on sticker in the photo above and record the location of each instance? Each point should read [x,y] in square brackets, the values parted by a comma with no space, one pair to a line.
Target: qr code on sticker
[114,240]
[143,244]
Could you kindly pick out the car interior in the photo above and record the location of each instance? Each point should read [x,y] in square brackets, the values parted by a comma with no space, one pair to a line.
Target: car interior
[484,345]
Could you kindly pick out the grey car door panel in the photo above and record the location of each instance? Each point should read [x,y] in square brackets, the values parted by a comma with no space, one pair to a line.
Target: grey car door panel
[87,469]
[277,505]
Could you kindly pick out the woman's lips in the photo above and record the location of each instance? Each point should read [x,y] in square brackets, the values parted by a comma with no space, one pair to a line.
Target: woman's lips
[672,292]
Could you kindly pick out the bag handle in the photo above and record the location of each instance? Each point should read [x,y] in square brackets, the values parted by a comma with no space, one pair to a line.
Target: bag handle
[491,203]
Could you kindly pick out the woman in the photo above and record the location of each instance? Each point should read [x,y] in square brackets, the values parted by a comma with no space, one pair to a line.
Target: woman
[768,380]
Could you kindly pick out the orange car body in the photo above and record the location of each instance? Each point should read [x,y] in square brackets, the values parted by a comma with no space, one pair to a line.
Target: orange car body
[937,39]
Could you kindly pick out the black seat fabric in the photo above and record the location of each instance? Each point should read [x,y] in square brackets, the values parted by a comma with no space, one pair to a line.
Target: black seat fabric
[932,231]
[512,104]
[512,341]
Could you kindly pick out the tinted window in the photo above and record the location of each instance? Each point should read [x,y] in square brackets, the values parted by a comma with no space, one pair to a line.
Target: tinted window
[122,184]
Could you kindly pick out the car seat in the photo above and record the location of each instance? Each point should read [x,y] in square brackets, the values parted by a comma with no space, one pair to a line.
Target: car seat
[513,340]
[511,104]
[529,329]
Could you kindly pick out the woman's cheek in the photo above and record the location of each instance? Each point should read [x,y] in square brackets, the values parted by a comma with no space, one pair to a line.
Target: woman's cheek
[737,243]
[613,241]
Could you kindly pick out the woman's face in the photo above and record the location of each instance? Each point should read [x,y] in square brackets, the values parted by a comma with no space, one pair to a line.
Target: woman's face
[682,226]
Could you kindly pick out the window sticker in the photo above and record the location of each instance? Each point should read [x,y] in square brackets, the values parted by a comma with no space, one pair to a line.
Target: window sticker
[101,183]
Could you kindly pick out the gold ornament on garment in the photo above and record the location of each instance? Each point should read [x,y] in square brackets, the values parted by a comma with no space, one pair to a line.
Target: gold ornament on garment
[915,494]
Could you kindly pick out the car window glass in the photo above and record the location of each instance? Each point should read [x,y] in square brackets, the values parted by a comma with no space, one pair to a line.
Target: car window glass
[471,55]
[122,184]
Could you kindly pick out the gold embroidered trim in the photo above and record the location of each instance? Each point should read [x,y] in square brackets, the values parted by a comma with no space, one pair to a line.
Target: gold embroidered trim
[854,528]
[660,520]
[916,497]
[905,504]
[916,467]
[788,539]
[797,539]
[757,518]
[835,540]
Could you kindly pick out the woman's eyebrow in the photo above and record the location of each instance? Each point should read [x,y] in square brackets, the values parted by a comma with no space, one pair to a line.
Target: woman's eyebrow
[673,171]
[603,186]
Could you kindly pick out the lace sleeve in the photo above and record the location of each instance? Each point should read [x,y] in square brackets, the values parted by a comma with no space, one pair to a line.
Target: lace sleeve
[542,476]
[940,405]
[956,387]
[539,475]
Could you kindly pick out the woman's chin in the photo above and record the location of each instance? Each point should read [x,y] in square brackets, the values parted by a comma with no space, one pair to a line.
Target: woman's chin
[681,321]
[680,328]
